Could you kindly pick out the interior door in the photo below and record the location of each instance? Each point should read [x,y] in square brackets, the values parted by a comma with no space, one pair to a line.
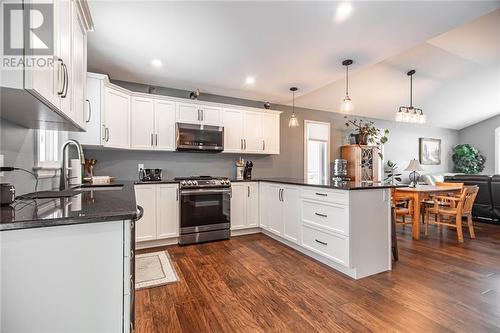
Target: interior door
[165,125]
[253,132]
[145,196]
[271,133]
[211,115]
[188,113]
[116,114]
[252,209]
[238,206]
[291,213]
[167,211]
[142,123]
[233,130]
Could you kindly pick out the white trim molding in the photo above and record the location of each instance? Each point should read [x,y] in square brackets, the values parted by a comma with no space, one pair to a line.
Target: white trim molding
[497,151]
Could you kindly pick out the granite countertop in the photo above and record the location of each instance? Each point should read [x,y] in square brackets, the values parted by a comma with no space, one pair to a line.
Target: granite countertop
[340,185]
[93,205]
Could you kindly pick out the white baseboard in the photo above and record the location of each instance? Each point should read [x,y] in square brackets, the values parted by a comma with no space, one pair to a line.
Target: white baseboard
[156,243]
[241,232]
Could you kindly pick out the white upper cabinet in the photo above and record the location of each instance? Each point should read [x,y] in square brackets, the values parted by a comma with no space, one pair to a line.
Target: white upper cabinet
[63,48]
[233,130]
[116,118]
[271,133]
[193,113]
[164,125]
[251,132]
[252,143]
[142,123]
[79,70]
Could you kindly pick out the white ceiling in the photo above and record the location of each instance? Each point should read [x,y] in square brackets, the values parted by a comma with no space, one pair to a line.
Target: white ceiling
[215,45]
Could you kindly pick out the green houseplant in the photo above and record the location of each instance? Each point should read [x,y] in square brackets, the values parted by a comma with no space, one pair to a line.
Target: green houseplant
[468,159]
[392,175]
[367,133]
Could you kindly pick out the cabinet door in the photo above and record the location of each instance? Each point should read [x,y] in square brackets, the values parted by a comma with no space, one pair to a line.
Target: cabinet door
[93,134]
[79,70]
[252,209]
[233,130]
[165,125]
[188,113]
[63,47]
[253,132]
[116,114]
[275,213]
[238,206]
[211,115]
[145,196]
[291,213]
[141,123]
[271,133]
[167,216]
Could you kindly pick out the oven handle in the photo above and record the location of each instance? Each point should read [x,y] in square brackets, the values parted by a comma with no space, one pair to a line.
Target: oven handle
[204,191]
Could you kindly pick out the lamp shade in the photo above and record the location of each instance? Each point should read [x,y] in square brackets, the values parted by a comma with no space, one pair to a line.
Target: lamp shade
[414,166]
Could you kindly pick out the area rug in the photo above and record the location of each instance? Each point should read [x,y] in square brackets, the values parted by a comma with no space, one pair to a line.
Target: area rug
[153,270]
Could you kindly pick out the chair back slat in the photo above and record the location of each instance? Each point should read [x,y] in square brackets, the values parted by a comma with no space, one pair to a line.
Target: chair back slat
[468,197]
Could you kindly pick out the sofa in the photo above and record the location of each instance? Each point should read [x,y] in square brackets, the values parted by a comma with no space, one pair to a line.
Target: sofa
[487,204]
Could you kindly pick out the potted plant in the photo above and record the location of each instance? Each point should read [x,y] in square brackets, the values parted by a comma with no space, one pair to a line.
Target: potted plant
[468,159]
[367,133]
[392,174]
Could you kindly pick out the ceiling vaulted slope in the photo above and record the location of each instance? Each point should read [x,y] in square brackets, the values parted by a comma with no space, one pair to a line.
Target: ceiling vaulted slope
[214,46]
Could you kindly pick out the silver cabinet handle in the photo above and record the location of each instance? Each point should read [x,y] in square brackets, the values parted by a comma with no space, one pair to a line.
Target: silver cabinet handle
[202,115]
[66,75]
[322,243]
[241,144]
[60,67]
[152,139]
[107,134]
[156,140]
[321,215]
[103,132]
[263,144]
[90,111]
[322,194]
[245,144]
[248,191]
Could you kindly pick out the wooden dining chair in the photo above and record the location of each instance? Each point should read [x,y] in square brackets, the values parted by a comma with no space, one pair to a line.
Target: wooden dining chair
[403,207]
[428,203]
[455,207]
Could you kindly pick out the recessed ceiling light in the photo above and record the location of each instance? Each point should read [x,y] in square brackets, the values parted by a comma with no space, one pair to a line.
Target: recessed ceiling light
[250,80]
[156,62]
[343,12]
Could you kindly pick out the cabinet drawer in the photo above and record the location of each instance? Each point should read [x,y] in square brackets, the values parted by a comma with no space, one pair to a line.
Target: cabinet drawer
[334,196]
[333,217]
[332,246]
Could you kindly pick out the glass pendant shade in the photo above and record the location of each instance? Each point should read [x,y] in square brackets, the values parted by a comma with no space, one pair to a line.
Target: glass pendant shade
[411,114]
[347,105]
[294,122]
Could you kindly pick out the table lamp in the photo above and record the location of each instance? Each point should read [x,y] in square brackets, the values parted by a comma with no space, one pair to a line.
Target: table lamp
[413,167]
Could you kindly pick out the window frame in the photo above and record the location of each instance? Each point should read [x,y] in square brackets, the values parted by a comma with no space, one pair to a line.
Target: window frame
[328,150]
[47,169]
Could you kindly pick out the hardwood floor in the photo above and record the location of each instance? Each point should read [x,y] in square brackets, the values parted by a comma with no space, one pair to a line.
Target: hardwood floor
[255,284]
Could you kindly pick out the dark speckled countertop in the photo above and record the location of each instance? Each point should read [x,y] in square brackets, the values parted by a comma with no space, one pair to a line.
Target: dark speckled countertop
[339,185]
[93,205]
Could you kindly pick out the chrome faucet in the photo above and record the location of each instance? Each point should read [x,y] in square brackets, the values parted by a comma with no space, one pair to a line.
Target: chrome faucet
[64,182]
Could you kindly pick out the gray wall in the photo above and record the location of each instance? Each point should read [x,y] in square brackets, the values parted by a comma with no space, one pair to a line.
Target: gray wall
[17,144]
[482,136]
[402,146]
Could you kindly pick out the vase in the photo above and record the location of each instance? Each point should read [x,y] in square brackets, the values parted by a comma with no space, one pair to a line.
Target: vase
[361,138]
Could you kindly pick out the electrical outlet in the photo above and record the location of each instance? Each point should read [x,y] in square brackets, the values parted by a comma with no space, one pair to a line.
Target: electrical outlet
[1,165]
[140,166]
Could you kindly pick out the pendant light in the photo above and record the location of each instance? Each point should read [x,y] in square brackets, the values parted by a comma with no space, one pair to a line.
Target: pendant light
[347,105]
[410,114]
[294,122]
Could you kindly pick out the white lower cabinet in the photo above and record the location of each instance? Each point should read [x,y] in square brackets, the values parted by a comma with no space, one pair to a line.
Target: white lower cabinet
[328,244]
[244,205]
[161,211]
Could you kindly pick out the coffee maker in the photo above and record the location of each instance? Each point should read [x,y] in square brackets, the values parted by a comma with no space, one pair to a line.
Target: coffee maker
[247,172]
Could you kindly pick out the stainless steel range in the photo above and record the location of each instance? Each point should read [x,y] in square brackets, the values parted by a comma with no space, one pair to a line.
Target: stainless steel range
[205,209]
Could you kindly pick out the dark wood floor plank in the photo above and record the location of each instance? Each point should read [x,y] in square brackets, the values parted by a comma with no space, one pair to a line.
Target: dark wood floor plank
[254,284]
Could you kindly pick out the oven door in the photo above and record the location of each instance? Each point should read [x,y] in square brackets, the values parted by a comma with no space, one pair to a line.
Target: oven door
[205,210]
[191,137]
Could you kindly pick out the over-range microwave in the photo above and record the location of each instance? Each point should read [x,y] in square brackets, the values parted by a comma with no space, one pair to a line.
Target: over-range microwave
[199,138]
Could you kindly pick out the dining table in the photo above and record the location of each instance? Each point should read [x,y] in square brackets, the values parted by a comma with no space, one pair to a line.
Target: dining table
[420,193]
